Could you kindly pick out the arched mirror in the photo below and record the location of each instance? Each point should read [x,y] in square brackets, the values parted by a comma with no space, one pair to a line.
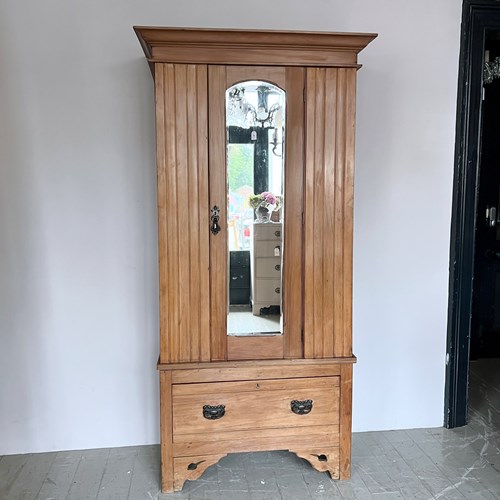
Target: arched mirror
[255,155]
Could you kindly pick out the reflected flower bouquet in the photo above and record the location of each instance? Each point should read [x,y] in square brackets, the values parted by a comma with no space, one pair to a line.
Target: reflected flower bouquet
[255,200]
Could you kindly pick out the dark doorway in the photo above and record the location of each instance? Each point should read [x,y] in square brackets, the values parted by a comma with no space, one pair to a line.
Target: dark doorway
[474,306]
[485,319]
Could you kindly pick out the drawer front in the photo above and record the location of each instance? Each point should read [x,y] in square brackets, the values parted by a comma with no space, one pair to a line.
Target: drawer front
[268,231]
[268,267]
[267,291]
[266,248]
[255,404]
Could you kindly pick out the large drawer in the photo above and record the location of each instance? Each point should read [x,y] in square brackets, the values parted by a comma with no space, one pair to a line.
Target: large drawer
[261,404]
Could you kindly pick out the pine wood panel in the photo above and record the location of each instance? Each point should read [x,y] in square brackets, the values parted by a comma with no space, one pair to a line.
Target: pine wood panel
[256,370]
[254,56]
[167,463]
[255,386]
[237,74]
[345,421]
[328,214]
[218,197]
[257,440]
[251,47]
[293,260]
[183,217]
[254,347]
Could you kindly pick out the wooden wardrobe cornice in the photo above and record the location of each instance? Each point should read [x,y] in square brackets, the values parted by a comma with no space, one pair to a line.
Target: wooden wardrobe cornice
[263,48]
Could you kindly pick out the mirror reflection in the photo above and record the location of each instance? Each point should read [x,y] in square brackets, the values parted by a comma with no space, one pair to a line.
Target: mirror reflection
[255,132]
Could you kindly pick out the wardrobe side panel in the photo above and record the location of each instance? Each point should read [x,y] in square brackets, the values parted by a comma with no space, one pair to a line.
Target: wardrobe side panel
[328,214]
[183,211]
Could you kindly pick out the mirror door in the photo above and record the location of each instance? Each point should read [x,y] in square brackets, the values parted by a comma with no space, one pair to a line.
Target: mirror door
[256,143]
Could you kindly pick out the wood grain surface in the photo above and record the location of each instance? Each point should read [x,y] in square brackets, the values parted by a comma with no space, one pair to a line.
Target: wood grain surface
[328,215]
[183,218]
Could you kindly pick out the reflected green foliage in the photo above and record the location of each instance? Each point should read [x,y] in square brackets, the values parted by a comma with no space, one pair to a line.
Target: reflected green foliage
[240,165]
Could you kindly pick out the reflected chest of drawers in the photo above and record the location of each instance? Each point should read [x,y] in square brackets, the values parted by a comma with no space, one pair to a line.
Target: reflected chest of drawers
[266,268]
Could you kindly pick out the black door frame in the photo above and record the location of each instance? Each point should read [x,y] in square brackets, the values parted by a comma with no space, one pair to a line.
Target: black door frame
[478,16]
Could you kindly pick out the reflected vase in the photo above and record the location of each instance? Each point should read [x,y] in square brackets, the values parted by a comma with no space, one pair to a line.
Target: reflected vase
[263,212]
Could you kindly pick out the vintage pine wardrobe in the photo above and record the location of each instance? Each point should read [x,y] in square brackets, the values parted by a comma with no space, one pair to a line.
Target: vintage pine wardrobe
[225,393]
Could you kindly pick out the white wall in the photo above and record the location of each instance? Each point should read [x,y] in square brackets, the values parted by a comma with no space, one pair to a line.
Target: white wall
[78,272]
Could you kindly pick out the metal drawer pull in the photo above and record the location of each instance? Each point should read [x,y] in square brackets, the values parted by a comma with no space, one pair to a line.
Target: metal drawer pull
[277,290]
[277,267]
[214,412]
[301,407]
[277,234]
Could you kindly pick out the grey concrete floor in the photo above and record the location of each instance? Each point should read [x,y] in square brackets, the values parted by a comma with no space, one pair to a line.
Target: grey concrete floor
[463,463]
